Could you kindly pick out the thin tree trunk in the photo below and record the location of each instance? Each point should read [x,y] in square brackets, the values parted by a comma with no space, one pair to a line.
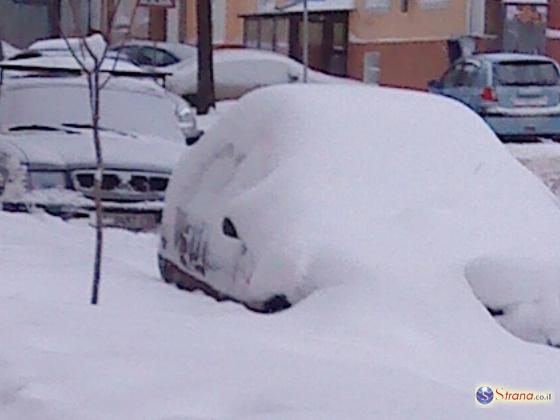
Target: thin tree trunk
[95,104]
[206,94]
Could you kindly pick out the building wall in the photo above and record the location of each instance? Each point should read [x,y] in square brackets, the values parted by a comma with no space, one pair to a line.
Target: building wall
[371,22]
[412,45]
[228,25]
[402,64]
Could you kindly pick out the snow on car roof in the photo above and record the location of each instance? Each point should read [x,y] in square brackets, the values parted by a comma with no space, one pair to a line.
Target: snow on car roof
[497,57]
[66,62]
[379,186]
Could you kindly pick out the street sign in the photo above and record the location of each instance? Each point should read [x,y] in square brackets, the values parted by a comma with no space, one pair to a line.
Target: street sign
[169,4]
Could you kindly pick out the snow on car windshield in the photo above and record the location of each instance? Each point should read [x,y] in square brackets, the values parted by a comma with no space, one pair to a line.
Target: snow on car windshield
[127,105]
[526,73]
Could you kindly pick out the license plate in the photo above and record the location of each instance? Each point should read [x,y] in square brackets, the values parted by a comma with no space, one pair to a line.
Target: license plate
[540,101]
[130,221]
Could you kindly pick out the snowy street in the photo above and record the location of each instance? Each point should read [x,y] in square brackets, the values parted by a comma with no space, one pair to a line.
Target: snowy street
[413,340]
[150,351]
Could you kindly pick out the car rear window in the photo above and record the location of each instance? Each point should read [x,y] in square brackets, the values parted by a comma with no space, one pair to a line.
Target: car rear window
[520,73]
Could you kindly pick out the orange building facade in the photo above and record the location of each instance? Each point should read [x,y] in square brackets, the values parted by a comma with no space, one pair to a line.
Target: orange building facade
[402,43]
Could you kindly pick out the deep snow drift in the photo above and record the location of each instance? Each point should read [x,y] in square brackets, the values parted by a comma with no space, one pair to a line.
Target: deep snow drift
[150,351]
[392,330]
[358,194]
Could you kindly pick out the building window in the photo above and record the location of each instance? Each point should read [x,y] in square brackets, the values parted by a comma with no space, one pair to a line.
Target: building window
[377,5]
[433,4]
[267,34]
[404,6]
[525,28]
[282,36]
[328,38]
[252,33]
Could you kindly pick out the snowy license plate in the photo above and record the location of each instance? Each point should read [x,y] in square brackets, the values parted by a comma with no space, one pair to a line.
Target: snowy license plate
[131,221]
[540,101]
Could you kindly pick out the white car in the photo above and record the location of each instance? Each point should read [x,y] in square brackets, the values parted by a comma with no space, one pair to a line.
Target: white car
[238,71]
[45,131]
[287,196]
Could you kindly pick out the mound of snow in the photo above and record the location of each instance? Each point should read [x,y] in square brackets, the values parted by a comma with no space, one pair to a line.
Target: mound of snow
[373,193]
[150,351]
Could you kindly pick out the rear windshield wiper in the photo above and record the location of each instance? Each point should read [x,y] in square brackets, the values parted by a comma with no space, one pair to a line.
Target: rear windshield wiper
[38,127]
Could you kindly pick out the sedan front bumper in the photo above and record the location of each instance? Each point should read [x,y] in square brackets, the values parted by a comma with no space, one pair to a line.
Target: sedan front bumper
[137,216]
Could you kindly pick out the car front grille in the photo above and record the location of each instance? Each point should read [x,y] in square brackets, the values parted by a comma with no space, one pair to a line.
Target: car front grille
[122,185]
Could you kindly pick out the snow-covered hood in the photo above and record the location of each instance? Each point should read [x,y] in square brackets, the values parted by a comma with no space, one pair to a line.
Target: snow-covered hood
[74,149]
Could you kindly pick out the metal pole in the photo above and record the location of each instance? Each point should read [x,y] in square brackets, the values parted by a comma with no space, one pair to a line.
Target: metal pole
[305,41]
[89,28]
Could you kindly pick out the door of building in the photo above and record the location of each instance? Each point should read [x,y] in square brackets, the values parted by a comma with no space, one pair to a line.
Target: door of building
[328,41]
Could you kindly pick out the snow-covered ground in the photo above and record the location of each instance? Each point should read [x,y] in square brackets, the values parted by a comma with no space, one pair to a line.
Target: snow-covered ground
[150,351]
[411,341]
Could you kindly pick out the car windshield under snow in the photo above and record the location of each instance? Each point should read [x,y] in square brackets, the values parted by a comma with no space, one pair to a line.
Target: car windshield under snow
[523,73]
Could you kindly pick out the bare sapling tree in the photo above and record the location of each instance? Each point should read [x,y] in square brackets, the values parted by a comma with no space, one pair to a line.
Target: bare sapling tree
[206,94]
[90,50]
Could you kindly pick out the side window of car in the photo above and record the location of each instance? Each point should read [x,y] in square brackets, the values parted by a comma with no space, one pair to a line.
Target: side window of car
[451,78]
[145,56]
[163,58]
[131,53]
[469,76]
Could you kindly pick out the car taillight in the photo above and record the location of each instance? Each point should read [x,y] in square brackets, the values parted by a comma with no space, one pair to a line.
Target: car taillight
[488,94]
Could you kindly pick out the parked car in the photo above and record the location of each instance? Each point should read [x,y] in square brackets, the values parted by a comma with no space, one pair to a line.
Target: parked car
[46,140]
[150,54]
[288,196]
[517,95]
[238,71]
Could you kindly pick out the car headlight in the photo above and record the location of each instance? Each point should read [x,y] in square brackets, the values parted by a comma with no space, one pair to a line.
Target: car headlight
[186,119]
[41,180]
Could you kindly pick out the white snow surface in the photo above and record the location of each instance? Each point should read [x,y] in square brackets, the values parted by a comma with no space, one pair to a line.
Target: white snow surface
[150,351]
[393,329]
[237,71]
[91,47]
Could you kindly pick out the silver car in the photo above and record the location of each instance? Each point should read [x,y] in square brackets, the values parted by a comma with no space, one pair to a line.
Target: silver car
[46,146]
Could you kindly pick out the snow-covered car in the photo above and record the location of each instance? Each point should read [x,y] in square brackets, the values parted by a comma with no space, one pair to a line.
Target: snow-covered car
[238,71]
[47,157]
[287,196]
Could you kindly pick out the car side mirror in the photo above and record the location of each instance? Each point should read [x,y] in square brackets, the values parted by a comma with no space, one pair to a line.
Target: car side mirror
[435,84]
